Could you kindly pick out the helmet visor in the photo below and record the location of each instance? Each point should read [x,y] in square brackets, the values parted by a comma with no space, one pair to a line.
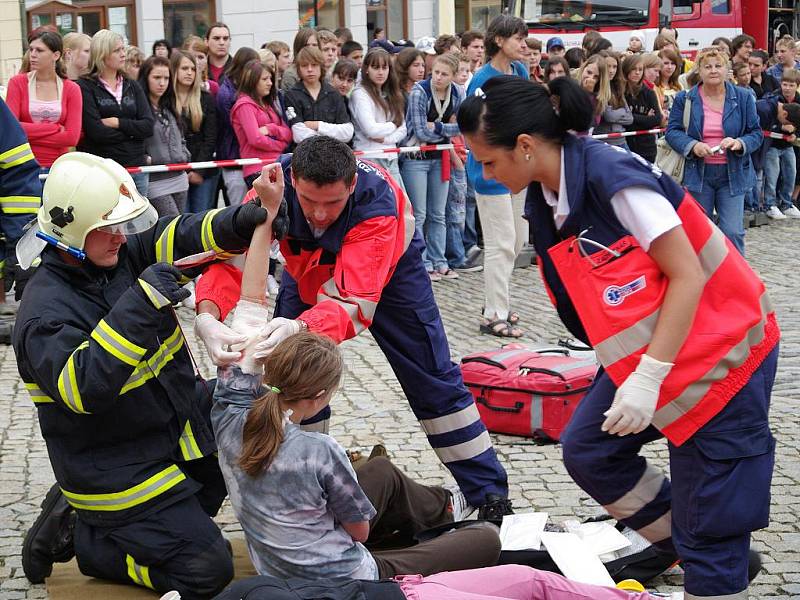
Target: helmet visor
[29,247]
[142,222]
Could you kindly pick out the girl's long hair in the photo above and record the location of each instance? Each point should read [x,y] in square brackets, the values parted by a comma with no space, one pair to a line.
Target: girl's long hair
[617,83]
[389,97]
[167,101]
[248,83]
[192,109]
[672,83]
[301,367]
[403,61]
[602,89]
[102,45]
[629,64]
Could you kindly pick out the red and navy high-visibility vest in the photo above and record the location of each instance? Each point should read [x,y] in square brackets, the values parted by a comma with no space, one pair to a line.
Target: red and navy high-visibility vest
[612,298]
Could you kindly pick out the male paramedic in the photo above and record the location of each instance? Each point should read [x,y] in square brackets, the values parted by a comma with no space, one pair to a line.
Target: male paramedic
[352,263]
[105,362]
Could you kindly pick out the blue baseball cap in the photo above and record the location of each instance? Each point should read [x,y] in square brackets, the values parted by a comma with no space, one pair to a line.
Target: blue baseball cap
[554,42]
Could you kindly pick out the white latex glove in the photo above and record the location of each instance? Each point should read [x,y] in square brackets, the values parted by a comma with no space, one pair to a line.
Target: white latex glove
[274,333]
[217,337]
[635,401]
[249,318]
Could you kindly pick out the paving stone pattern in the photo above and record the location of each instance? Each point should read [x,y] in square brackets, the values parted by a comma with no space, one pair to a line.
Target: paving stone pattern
[371,408]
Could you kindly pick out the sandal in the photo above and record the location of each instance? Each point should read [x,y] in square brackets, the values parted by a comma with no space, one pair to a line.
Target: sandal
[500,328]
[513,316]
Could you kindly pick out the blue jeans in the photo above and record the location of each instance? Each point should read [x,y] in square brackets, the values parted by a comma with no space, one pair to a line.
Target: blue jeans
[428,195]
[455,215]
[470,228]
[716,194]
[203,196]
[752,199]
[142,182]
[391,165]
[779,162]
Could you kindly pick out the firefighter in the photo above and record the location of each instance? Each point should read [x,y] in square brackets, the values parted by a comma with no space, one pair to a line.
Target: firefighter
[682,326]
[100,350]
[352,263]
[20,196]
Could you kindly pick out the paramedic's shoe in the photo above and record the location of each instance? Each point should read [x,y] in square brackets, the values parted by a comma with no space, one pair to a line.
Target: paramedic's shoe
[50,538]
[773,212]
[459,506]
[792,212]
[495,508]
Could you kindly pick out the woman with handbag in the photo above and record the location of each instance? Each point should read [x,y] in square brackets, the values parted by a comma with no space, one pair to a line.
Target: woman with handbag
[718,170]
[637,270]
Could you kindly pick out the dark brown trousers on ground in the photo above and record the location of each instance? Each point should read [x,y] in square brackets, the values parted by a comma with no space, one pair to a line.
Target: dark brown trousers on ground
[404,509]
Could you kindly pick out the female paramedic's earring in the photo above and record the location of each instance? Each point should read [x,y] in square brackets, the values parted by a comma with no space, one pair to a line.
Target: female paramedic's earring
[528,157]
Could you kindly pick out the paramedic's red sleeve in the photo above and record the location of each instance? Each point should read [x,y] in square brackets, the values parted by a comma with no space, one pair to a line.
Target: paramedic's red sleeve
[221,283]
[345,304]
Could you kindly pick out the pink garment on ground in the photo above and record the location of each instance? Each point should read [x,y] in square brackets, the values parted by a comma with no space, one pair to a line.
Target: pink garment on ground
[507,582]
[713,133]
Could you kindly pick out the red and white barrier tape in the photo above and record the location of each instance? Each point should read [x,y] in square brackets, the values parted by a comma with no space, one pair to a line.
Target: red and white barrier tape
[777,136]
[388,153]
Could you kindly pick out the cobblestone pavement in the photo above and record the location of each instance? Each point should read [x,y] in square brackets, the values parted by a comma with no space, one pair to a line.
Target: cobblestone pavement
[371,408]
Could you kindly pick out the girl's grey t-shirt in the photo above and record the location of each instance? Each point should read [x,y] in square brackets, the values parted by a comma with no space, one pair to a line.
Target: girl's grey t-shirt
[291,514]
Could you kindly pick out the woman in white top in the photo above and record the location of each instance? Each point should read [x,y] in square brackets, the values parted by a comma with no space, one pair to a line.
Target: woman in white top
[377,107]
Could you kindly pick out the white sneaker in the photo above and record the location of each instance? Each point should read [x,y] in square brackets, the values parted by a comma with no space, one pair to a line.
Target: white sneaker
[460,508]
[272,285]
[774,213]
[792,212]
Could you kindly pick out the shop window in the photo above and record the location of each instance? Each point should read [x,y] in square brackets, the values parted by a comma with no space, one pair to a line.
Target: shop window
[321,13]
[389,15]
[86,16]
[183,18]
[720,7]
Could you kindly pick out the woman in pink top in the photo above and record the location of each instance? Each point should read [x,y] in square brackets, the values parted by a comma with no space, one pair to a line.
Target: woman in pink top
[258,126]
[47,104]
[718,169]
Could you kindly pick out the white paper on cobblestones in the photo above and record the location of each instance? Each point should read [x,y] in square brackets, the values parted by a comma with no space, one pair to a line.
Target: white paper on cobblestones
[602,537]
[576,559]
[522,531]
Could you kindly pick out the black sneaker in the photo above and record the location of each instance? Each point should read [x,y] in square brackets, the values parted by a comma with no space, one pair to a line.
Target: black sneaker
[495,508]
[50,538]
[753,565]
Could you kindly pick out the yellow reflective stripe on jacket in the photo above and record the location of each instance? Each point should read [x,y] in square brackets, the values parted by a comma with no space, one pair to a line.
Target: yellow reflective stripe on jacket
[68,383]
[37,395]
[115,344]
[20,205]
[16,156]
[207,231]
[139,574]
[147,369]
[138,494]
[156,298]
[189,448]
[165,245]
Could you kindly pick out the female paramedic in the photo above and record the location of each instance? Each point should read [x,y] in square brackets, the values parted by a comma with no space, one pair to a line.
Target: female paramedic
[683,328]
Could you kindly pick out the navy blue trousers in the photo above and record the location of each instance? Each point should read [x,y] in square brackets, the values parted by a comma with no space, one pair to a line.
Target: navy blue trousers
[409,330]
[720,482]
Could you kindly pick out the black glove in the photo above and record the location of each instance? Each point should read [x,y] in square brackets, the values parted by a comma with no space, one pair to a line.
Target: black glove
[13,273]
[160,283]
[280,225]
[249,216]
[252,214]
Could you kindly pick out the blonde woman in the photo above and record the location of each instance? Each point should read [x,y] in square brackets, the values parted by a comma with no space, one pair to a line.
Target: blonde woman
[133,62]
[593,77]
[196,110]
[617,115]
[76,54]
[116,116]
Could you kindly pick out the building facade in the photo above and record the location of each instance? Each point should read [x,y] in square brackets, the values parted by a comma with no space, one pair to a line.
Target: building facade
[253,22]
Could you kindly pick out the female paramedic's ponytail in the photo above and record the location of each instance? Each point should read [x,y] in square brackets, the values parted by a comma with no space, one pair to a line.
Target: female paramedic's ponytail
[507,106]
[301,367]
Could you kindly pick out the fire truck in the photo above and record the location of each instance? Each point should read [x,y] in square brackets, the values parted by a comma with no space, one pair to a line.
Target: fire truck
[698,22]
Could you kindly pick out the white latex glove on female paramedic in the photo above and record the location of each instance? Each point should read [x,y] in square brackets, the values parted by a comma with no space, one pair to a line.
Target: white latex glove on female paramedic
[217,337]
[635,401]
[274,333]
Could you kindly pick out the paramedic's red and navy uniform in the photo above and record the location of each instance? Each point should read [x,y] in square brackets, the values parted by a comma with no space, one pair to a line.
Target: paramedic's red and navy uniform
[20,188]
[366,271]
[126,426]
[713,406]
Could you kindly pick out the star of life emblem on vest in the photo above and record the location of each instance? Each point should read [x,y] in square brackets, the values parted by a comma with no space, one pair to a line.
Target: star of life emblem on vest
[614,295]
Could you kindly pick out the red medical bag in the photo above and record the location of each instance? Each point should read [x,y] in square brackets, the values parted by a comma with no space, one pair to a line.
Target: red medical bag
[522,391]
